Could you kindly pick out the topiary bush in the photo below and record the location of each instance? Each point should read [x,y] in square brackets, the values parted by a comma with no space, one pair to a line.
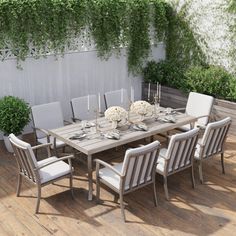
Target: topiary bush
[14,115]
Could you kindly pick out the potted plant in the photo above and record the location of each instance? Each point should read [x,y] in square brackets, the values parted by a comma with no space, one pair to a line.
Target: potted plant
[14,116]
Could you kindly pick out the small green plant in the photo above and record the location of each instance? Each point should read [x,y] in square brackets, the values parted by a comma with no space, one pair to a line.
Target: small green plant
[14,115]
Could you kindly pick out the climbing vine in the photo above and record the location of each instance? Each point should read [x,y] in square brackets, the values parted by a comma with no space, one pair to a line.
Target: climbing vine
[49,25]
[182,43]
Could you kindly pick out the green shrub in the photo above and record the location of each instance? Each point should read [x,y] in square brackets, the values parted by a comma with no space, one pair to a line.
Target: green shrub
[212,80]
[165,72]
[14,115]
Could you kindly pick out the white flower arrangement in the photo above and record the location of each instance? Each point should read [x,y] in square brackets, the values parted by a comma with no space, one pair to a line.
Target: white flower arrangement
[116,114]
[142,108]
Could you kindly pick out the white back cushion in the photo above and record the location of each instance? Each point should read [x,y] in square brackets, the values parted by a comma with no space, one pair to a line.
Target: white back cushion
[199,105]
[141,155]
[114,98]
[80,107]
[180,148]
[47,116]
[214,136]
[23,145]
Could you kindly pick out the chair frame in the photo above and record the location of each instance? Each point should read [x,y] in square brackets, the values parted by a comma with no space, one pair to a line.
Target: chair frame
[54,146]
[27,169]
[166,172]
[221,152]
[122,191]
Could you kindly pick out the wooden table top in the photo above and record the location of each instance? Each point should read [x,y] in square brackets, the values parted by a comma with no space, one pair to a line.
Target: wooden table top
[95,142]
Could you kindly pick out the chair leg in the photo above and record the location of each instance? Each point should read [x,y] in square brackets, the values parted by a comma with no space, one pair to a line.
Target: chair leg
[155,193]
[97,188]
[18,185]
[222,163]
[122,207]
[166,188]
[200,172]
[192,177]
[38,199]
[71,186]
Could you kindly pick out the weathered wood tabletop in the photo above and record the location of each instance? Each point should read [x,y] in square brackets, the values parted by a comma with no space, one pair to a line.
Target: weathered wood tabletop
[96,142]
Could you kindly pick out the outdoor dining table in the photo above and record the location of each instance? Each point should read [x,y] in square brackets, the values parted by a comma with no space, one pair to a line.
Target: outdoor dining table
[96,142]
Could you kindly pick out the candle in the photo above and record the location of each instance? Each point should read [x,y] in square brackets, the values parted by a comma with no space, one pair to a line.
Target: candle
[159,94]
[88,103]
[99,102]
[149,86]
[157,90]
[132,94]
[122,96]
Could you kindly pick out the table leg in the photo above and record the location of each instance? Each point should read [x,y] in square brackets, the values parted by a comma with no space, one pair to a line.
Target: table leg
[90,178]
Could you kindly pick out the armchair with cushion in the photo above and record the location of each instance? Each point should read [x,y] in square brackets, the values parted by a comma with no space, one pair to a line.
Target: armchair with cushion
[136,171]
[40,173]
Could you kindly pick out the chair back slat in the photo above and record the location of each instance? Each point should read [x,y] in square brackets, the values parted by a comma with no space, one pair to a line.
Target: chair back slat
[25,158]
[181,150]
[214,137]
[139,165]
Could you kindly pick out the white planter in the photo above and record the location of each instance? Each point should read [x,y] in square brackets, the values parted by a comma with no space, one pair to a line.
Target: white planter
[8,143]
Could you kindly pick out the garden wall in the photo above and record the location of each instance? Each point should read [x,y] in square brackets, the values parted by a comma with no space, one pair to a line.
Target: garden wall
[76,74]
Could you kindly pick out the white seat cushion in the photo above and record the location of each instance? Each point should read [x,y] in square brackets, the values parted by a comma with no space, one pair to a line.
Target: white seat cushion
[54,170]
[59,143]
[161,160]
[197,152]
[111,177]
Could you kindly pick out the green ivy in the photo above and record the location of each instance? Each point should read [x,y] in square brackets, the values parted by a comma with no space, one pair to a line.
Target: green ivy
[48,25]
[182,43]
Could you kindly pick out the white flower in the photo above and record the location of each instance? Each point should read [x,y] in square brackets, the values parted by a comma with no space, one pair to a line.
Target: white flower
[116,113]
[142,108]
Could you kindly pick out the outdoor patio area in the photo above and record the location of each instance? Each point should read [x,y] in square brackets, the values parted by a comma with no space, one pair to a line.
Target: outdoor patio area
[117,117]
[208,209]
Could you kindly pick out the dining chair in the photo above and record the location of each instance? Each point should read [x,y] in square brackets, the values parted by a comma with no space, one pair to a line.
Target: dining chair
[212,143]
[47,116]
[84,108]
[117,98]
[178,156]
[40,173]
[136,171]
[200,106]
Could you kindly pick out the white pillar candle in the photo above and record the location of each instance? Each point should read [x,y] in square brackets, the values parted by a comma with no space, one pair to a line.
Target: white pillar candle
[99,102]
[88,103]
[122,96]
[132,94]
[149,87]
[157,90]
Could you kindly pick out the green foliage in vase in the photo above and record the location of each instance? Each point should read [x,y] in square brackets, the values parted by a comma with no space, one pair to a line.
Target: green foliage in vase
[14,115]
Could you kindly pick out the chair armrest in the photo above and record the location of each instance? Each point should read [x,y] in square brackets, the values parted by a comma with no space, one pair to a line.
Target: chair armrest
[199,117]
[100,162]
[41,130]
[41,146]
[59,159]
